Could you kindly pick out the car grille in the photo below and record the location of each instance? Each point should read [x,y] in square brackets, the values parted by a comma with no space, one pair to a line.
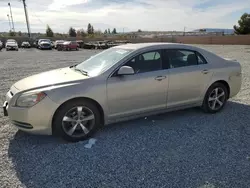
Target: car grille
[46,45]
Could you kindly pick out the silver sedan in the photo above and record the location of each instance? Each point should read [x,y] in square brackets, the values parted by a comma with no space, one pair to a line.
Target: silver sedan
[121,83]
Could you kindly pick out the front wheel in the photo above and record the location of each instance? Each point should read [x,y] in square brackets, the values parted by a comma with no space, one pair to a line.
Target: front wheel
[76,120]
[215,98]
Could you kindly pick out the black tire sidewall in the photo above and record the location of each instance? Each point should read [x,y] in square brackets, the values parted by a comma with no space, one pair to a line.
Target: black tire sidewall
[57,123]
[205,105]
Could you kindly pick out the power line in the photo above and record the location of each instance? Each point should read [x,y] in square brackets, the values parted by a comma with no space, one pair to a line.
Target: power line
[34,14]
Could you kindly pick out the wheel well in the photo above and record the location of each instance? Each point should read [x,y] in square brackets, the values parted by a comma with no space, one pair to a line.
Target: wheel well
[225,84]
[80,98]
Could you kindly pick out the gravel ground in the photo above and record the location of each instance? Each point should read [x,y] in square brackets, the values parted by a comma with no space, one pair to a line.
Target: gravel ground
[179,149]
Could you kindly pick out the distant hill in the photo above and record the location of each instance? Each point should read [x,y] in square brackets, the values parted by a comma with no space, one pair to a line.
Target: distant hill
[226,31]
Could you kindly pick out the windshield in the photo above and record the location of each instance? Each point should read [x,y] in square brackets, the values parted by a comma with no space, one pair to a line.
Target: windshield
[44,40]
[102,61]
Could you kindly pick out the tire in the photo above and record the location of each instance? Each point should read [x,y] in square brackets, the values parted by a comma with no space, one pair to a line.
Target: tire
[63,127]
[209,99]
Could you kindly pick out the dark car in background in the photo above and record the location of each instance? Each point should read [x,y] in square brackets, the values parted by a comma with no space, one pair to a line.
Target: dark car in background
[44,44]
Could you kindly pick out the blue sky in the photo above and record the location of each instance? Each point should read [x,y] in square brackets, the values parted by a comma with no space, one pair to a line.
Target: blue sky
[129,15]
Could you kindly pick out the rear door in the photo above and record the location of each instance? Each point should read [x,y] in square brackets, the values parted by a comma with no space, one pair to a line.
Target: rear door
[189,75]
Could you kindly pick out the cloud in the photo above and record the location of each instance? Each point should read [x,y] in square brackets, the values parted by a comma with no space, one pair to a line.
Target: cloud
[130,14]
[60,4]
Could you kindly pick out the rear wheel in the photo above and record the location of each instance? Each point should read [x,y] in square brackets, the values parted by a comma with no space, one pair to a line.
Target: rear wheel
[215,98]
[77,120]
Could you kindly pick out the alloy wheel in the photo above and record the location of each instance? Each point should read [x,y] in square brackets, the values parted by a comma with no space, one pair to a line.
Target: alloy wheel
[216,99]
[78,121]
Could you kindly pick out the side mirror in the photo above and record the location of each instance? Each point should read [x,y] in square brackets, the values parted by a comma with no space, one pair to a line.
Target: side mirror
[126,70]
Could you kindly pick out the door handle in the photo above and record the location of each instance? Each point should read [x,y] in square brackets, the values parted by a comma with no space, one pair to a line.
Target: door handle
[205,71]
[160,78]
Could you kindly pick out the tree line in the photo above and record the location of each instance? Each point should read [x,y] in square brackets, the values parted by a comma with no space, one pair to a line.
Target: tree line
[90,31]
[243,28]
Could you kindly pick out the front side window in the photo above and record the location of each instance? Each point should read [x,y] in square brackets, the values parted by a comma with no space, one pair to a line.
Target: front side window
[146,62]
[181,58]
[101,62]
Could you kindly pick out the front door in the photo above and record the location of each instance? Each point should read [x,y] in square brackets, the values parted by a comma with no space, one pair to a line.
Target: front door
[189,75]
[144,91]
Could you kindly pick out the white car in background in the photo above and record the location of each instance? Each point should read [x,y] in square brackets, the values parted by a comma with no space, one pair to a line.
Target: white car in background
[25,44]
[11,44]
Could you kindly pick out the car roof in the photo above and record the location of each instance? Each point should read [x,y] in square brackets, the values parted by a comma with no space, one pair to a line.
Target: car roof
[136,46]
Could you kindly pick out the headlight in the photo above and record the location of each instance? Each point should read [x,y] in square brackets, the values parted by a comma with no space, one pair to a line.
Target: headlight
[30,99]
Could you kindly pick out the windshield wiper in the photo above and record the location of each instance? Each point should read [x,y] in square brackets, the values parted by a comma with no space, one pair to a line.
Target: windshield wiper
[81,71]
[73,66]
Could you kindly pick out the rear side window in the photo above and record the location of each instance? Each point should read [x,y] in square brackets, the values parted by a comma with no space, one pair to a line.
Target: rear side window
[181,58]
[175,58]
[201,59]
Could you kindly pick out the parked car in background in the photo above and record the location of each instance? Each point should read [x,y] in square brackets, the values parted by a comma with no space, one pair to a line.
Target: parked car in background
[58,43]
[88,45]
[1,45]
[80,43]
[11,44]
[73,102]
[44,44]
[100,45]
[25,44]
[70,45]
[53,44]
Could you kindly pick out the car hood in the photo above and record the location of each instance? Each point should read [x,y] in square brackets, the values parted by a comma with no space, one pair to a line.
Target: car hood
[49,78]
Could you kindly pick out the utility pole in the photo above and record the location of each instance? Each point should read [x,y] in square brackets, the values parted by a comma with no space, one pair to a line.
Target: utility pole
[26,16]
[9,22]
[184,31]
[11,17]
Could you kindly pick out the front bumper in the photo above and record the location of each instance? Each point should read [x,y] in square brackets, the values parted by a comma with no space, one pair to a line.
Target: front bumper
[45,47]
[36,119]
[11,47]
[5,108]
